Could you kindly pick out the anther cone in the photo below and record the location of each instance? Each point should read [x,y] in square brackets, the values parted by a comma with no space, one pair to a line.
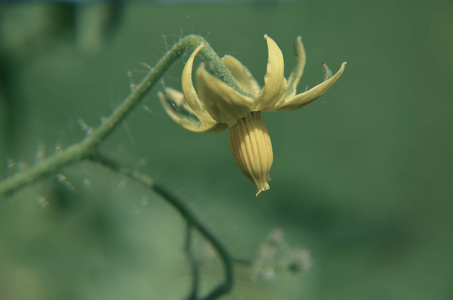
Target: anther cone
[252,149]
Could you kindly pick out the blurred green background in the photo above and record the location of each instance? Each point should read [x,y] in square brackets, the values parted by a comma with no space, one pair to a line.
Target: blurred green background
[362,178]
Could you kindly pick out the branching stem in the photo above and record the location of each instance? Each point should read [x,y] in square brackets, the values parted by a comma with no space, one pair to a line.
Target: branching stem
[194,264]
[90,144]
[88,149]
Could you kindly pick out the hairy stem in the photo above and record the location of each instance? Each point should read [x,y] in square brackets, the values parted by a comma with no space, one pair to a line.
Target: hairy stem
[146,180]
[89,144]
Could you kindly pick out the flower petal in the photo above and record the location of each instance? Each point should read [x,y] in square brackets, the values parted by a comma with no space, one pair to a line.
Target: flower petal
[275,85]
[298,70]
[223,103]
[301,100]
[190,94]
[241,75]
[173,103]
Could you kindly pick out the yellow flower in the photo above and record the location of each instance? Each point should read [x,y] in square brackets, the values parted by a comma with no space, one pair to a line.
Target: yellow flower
[217,106]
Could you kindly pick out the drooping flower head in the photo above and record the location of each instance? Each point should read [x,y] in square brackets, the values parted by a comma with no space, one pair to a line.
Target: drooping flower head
[217,106]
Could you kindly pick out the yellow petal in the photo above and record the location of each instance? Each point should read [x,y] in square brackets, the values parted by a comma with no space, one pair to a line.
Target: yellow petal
[241,75]
[275,85]
[298,70]
[176,98]
[173,103]
[190,94]
[223,103]
[301,100]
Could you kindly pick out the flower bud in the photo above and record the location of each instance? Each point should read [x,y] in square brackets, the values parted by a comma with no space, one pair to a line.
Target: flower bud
[252,149]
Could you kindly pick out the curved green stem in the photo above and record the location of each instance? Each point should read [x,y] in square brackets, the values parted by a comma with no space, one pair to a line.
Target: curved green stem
[193,295]
[89,144]
[171,198]
[222,288]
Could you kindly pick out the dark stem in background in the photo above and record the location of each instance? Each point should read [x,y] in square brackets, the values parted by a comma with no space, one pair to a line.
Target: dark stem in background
[193,264]
[222,288]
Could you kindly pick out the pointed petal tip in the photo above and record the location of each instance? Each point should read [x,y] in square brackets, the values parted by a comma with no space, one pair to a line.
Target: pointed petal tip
[299,43]
[342,67]
[262,186]
[267,37]
[262,189]
[329,73]
[343,64]
[301,100]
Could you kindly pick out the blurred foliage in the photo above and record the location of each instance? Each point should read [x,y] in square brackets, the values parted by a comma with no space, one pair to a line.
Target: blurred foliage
[361,178]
